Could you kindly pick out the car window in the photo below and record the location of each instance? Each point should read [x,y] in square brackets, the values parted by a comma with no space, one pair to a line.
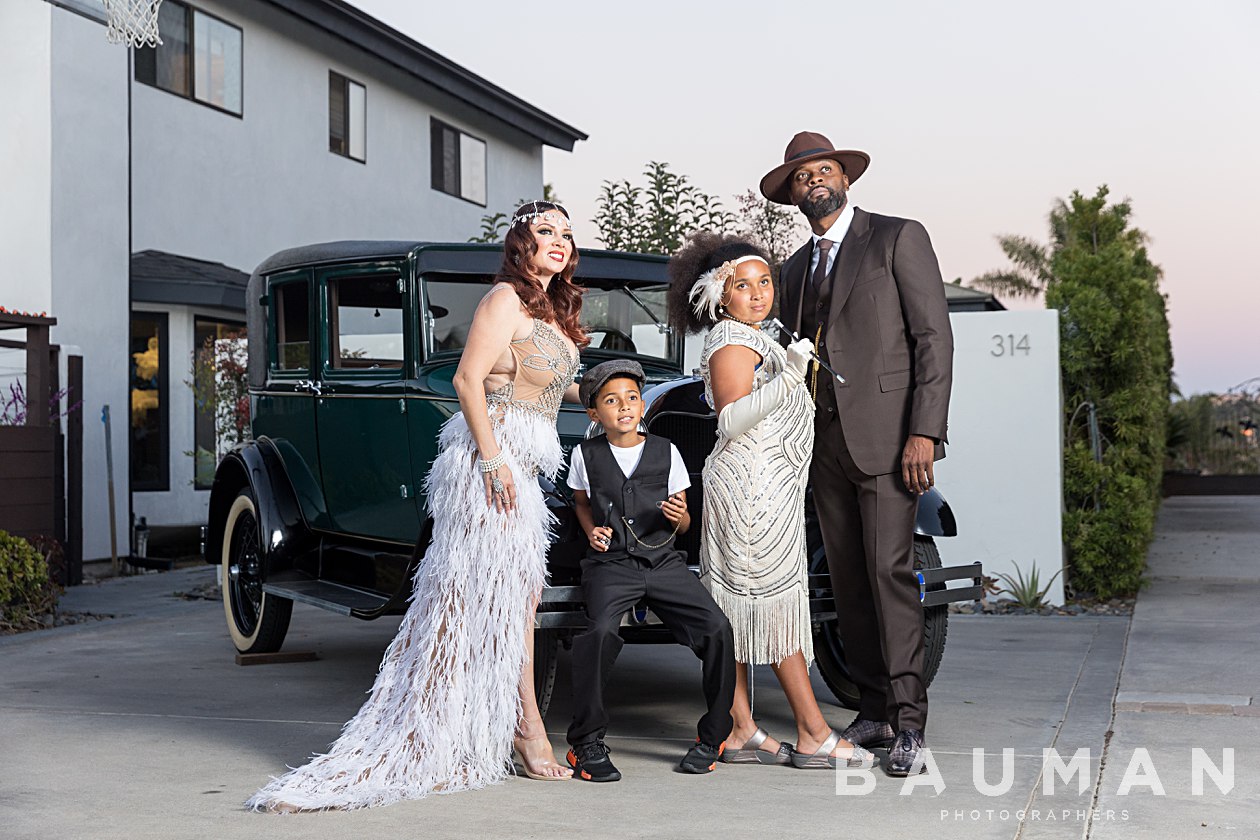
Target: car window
[365,323]
[624,321]
[450,301]
[620,322]
[291,310]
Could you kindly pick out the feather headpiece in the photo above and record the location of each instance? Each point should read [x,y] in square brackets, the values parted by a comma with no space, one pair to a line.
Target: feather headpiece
[706,292]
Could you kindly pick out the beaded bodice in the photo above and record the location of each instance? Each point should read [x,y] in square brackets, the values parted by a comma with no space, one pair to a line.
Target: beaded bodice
[773,357]
[545,367]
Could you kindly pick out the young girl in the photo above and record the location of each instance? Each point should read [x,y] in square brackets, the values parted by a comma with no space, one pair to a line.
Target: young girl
[752,550]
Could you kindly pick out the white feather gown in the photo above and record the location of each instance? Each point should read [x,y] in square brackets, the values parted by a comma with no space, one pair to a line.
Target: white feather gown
[442,713]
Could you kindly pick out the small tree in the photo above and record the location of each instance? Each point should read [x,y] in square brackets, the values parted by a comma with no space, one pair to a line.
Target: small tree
[656,218]
[773,227]
[220,384]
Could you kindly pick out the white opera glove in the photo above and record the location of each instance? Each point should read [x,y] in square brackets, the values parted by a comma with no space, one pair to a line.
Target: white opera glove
[749,410]
[799,355]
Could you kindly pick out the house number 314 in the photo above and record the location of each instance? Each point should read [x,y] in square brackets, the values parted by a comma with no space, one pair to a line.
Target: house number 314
[1009,345]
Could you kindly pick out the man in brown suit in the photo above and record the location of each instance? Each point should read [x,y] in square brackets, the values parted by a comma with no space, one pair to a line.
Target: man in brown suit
[867,290]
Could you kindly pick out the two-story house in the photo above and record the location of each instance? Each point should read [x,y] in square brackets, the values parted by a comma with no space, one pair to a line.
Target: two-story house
[142,186]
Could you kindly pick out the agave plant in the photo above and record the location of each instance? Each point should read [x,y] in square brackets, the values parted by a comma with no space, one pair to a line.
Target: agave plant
[1027,592]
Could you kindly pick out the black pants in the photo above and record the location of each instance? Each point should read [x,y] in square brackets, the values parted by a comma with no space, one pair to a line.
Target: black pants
[867,524]
[686,608]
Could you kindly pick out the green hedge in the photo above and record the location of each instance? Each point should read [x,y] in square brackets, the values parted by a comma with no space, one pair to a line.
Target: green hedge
[1117,357]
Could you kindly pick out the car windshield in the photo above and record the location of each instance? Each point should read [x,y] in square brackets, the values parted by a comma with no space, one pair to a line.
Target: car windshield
[623,319]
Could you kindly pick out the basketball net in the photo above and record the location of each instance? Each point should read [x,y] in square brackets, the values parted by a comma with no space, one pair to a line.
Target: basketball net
[132,22]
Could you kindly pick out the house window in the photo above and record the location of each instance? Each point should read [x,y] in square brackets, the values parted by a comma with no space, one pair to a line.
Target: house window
[291,306]
[219,373]
[365,324]
[149,422]
[347,117]
[200,57]
[459,162]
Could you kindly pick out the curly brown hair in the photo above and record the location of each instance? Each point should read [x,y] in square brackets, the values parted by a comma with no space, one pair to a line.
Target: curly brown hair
[561,302]
[703,251]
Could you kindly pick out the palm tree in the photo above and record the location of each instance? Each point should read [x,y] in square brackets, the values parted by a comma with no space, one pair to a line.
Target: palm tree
[1032,269]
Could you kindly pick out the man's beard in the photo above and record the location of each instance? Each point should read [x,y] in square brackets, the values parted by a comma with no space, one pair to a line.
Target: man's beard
[822,207]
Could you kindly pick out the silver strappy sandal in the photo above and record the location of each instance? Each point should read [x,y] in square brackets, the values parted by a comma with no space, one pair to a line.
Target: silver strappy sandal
[860,759]
[751,752]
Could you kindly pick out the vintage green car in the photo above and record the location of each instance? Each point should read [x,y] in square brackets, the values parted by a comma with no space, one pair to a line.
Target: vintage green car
[353,346]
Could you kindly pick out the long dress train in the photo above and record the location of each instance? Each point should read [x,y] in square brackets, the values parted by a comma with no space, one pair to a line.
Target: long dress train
[444,708]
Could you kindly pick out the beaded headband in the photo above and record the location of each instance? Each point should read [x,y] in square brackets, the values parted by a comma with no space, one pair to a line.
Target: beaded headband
[706,292]
[554,214]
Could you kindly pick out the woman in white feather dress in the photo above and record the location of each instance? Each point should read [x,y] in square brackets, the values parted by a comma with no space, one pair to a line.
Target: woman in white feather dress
[454,696]
[752,545]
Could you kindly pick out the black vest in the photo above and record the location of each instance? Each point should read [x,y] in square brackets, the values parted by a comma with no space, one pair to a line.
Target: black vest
[628,505]
[815,306]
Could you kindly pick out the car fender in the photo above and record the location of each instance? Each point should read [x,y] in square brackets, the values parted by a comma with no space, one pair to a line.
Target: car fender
[283,531]
[934,517]
[685,396]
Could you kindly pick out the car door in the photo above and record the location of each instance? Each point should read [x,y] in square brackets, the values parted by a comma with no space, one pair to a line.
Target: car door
[361,410]
[285,409]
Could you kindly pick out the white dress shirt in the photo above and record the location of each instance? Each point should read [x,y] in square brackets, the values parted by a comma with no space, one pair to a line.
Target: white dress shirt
[836,234]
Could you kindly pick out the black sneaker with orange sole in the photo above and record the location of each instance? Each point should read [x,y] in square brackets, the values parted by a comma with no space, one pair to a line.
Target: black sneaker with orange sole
[591,763]
[701,758]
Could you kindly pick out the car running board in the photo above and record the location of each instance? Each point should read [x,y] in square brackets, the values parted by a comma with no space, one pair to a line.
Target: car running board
[823,606]
[343,600]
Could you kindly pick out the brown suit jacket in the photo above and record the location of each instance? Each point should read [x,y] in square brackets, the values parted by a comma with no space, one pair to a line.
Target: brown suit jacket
[888,335]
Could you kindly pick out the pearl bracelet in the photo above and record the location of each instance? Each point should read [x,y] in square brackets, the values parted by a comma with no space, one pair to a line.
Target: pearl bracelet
[491,465]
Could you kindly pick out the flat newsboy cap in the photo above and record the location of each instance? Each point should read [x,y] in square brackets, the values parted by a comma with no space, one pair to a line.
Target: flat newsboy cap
[594,379]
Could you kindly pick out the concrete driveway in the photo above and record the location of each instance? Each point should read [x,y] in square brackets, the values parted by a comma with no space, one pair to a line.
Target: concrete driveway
[143,727]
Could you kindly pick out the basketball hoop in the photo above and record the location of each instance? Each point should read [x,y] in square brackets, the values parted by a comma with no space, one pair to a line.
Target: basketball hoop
[133,22]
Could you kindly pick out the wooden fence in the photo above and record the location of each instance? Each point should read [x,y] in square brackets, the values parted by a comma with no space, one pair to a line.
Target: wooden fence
[28,481]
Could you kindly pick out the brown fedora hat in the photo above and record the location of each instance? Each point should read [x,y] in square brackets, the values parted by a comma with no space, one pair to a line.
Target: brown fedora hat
[805,147]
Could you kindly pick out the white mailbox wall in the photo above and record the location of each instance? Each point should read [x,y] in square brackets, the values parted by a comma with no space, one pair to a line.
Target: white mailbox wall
[1003,471]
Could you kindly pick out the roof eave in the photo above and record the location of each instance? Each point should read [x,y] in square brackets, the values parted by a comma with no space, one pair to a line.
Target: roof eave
[344,21]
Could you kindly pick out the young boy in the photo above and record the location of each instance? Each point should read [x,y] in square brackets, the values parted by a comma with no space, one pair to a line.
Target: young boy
[631,501]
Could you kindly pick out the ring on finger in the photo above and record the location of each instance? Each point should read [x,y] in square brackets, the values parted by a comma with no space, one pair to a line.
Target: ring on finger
[496,484]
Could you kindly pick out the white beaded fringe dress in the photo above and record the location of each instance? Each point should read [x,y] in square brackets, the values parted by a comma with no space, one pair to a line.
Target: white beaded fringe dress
[752,544]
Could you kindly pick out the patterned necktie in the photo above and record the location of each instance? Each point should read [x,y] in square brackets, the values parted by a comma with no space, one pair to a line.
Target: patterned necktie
[820,273]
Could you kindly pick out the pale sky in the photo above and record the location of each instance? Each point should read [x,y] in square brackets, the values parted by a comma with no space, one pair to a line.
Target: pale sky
[977,114]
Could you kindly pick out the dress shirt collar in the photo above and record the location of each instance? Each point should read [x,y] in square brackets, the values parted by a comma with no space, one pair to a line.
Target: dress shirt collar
[838,228]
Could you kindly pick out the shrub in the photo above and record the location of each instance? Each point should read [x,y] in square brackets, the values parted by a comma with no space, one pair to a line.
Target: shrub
[26,591]
[1116,361]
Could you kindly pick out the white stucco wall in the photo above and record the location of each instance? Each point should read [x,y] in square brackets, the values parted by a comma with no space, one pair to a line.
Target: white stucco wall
[26,159]
[1003,471]
[90,261]
[235,190]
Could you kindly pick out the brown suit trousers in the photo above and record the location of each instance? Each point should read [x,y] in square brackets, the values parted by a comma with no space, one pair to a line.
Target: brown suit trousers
[886,330]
